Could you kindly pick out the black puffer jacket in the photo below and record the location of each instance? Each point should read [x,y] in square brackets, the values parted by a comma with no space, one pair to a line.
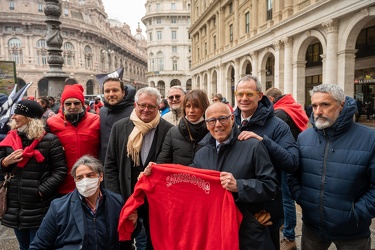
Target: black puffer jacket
[179,146]
[26,208]
[110,114]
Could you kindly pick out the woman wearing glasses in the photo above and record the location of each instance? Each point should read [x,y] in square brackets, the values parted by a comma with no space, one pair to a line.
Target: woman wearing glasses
[182,140]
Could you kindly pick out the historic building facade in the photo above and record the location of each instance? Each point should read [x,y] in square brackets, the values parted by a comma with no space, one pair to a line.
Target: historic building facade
[290,44]
[168,44]
[92,44]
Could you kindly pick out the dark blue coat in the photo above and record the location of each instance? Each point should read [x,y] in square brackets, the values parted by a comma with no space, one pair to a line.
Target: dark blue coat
[249,163]
[64,225]
[335,184]
[280,145]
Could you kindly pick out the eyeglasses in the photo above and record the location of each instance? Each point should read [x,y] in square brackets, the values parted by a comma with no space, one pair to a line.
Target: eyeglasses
[171,97]
[70,103]
[248,94]
[144,106]
[222,119]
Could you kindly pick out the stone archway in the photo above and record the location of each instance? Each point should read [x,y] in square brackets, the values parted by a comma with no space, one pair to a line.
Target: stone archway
[43,87]
[188,85]
[161,87]
[89,87]
[214,82]
[175,82]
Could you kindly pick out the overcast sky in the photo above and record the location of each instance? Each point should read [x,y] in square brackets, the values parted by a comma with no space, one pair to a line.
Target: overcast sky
[128,11]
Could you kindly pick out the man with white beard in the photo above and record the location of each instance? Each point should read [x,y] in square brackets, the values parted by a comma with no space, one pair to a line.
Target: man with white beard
[176,96]
[335,182]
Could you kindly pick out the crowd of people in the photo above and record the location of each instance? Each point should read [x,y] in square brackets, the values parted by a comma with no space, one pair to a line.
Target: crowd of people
[106,177]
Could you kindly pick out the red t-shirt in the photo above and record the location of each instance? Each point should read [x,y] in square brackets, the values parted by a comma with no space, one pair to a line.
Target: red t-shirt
[188,209]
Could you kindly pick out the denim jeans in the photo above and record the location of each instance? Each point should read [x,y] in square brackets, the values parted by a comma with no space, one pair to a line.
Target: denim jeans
[25,237]
[289,209]
[311,241]
[141,238]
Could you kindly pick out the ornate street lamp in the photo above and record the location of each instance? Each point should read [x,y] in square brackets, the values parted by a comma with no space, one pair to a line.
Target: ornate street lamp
[56,76]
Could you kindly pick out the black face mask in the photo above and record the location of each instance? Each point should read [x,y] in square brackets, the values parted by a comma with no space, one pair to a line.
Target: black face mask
[75,118]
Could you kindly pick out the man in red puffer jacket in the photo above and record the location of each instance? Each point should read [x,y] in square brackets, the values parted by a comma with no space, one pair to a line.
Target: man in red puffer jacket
[77,130]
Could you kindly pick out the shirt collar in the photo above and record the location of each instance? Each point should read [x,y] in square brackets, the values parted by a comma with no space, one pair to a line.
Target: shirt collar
[225,142]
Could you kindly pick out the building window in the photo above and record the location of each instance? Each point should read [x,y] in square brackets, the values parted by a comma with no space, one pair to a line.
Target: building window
[205,48]
[173,19]
[69,54]
[231,32]
[174,35]
[189,49]
[313,53]
[66,12]
[152,64]
[158,20]
[11,5]
[269,10]
[214,42]
[230,8]
[173,6]
[189,64]
[174,63]
[14,42]
[158,6]
[15,50]
[366,43]
[158,34]
[89,57]
[160,61]
[68,46]
[41,52]
[149,8]
[150,36]
[174,49]
[40,7]
[247,22]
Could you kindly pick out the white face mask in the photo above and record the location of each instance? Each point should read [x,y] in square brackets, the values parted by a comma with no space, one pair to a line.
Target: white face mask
[87,186]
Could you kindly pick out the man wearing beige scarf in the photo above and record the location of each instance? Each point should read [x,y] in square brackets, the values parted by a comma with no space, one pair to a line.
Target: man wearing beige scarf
[133,143]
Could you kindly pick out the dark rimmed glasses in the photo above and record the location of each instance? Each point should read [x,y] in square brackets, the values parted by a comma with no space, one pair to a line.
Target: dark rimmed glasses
[144,106]
[247,94]
[222,119]
[171,97]
[70,103]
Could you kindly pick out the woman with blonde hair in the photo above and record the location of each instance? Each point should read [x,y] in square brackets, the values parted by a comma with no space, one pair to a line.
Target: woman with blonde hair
[36,161]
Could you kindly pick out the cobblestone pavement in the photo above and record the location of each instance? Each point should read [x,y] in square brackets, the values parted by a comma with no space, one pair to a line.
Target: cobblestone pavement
[8,240]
